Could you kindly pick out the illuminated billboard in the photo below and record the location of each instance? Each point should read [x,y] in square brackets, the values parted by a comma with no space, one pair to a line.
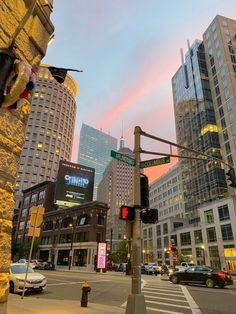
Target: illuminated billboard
[74,184]
[102,255]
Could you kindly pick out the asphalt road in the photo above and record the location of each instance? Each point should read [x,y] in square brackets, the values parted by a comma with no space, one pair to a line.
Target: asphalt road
[106,289]
[160,296]
[215,300]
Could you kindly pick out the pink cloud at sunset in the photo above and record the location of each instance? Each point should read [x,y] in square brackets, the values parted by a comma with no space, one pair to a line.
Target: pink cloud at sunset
[149,80]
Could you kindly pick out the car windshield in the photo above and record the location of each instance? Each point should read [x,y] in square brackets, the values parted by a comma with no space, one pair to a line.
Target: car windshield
[20,269]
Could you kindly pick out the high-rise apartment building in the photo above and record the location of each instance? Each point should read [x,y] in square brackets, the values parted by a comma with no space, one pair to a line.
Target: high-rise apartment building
[116,189]
[220,50]
[95,151]
[49,132]
[196,128]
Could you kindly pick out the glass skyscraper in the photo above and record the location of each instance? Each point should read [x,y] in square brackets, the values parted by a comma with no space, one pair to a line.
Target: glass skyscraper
[196,128]
[95,151]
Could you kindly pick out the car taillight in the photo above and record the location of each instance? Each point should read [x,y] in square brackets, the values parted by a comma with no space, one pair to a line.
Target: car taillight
[221,274]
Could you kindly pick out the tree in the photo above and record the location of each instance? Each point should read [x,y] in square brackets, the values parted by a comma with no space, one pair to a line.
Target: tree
[120,255]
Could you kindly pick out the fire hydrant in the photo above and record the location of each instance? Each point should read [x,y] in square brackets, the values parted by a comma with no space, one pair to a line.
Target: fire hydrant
[85,291]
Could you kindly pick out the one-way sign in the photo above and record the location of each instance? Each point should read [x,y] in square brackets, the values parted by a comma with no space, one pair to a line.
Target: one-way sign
[154,162]
[128,160]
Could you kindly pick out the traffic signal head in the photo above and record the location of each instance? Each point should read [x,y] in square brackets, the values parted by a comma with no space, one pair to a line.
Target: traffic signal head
[127,213]
[144,191]
[149,216]
[232,177]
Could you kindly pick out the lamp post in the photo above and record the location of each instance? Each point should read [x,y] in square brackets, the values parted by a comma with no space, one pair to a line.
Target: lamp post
[203,254]
[71,225]
[165,250]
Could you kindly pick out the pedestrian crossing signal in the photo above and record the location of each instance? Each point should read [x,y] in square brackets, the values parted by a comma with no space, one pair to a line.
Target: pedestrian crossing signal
[127,213]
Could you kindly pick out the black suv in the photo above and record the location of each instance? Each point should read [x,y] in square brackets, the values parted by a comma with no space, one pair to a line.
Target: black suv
[202,275]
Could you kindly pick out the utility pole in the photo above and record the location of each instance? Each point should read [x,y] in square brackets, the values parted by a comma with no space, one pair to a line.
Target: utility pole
[136,301]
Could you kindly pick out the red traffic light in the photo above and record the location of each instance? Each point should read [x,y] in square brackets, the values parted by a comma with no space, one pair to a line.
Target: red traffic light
[127,212]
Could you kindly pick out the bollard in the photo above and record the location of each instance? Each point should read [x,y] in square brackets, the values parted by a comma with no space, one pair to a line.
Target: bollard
[85,291]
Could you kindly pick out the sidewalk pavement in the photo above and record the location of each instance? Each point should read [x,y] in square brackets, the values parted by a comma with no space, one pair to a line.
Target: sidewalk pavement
[34,305]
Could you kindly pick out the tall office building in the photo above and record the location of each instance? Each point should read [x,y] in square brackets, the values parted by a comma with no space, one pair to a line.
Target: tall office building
[116,189]
[220,49]
[95,151]
[166,194]
[49,131]
[196,128]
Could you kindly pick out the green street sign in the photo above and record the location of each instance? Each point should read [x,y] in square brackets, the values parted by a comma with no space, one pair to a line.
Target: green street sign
[128,160]
[154,162]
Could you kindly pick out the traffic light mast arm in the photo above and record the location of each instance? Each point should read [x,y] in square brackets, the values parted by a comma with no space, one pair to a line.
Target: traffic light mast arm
[208,157]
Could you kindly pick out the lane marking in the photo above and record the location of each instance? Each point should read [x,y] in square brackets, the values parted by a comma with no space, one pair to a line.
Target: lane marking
[173,305]
[163,311]
[165,298]
[193,305]
[74,282]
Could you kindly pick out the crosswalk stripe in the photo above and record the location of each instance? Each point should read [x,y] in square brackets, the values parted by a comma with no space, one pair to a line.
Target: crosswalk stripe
[167,286]
[154,297]
[167,290]
[172,294]
[163,311]
[163,303]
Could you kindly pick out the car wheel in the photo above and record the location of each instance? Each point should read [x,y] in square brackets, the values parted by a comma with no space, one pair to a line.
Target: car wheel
[11,288]
[221,286]
[210,283]
[175,279]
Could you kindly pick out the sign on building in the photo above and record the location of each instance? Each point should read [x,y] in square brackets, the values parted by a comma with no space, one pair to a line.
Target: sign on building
[74,184]
[102,255]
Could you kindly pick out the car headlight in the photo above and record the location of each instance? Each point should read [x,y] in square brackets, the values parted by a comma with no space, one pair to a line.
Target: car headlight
[20,280]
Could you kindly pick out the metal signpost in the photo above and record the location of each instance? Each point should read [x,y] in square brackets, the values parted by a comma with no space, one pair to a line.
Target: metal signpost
[136,301]
[36,220]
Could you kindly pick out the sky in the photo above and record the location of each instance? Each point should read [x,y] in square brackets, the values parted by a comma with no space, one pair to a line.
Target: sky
[128,50]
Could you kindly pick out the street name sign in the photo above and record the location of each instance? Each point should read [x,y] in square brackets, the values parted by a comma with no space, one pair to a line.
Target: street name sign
[154,162]
[126,159]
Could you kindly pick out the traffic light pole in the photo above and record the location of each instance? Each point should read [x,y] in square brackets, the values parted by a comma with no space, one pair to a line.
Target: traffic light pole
[136,300]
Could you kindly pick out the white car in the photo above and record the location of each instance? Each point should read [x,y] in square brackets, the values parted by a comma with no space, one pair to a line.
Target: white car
[35,281]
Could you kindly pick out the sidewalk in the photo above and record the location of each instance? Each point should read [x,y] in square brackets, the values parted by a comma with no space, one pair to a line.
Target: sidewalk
[31,305]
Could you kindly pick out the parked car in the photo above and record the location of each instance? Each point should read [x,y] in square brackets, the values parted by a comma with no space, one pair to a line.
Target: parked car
[148,268]
[35,281]
[157,270]
[122,267]
[183,266]
[46,265]
[202,275]
[32,264]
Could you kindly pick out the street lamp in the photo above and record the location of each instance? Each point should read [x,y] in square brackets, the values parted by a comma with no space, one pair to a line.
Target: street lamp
[143,251]
[203,251]
[71,225]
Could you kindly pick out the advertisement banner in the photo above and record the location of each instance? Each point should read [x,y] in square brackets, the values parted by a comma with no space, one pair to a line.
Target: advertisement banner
[74,184]
[102,255]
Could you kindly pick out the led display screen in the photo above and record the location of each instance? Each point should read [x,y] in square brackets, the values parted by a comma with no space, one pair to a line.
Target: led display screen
[74,184]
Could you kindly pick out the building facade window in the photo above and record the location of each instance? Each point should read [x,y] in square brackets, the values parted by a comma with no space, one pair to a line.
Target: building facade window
[165,228]
[185,238]
[158,230]
[198,236]
[211,234]
[209,217]
[223,212]
[226,231]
